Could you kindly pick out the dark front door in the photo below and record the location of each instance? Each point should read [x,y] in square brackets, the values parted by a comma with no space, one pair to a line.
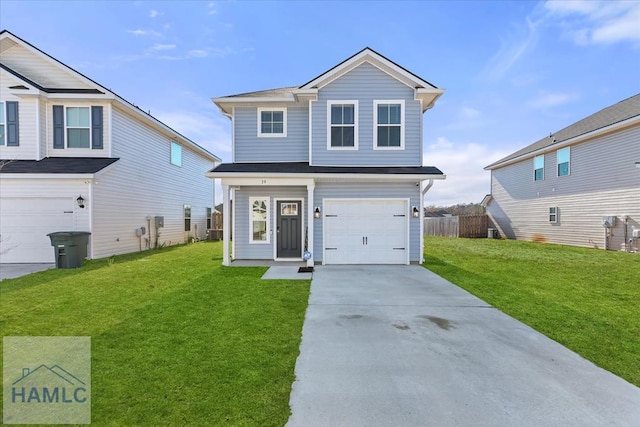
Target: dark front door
[289,229]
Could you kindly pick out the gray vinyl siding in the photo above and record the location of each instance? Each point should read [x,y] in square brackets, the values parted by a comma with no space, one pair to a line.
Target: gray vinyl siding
[250,148]
[144,183]
[603,181]
[365,84]
[243,248]
[369,191]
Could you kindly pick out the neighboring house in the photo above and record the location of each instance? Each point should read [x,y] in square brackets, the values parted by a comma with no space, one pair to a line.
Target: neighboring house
[333,166]
[561,188]
[78,157]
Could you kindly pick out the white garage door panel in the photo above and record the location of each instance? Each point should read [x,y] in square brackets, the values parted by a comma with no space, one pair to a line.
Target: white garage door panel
[366,231]
[25,223]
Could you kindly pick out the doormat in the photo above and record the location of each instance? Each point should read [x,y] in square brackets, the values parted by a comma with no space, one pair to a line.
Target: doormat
[305,270]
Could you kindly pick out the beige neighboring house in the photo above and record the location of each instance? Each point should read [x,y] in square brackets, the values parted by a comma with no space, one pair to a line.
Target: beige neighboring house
[579,186]
[80,158]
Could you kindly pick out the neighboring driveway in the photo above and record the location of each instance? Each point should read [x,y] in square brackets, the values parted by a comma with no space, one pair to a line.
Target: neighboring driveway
[11,271]
[401,346]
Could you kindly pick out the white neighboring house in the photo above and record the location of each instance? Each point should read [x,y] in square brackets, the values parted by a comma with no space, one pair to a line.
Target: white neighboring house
[77,157]
[578,186]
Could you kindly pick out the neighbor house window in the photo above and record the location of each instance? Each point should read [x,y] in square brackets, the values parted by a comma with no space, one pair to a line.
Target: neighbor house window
[3,124]
[272,122]
[187,217]
[176,154]
[342,129]
[538,168]
[259,218]
[388,118]
[553,214]
[209,211]
[564,160]
[78,126]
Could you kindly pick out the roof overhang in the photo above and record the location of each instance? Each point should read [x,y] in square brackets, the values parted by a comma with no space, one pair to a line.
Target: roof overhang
[226,103]
[561,144]
[259,178]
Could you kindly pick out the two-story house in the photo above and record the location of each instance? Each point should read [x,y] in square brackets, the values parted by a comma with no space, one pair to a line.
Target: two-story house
[77,157]
[579,186]
[330,171]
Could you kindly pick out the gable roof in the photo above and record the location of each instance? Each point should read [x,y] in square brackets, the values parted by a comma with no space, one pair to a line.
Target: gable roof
[614,114]
[424,91]
[8,39]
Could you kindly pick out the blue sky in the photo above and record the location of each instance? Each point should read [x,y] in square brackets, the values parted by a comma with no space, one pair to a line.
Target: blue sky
[513,71]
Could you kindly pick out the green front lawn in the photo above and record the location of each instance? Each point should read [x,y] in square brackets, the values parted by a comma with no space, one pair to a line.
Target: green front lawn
[586,299]
[176,338]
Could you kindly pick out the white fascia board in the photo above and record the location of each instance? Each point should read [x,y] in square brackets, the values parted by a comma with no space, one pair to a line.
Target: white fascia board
[567,142]
[9,176]
[301,178]
[428,96]
[226,103]
[82,96]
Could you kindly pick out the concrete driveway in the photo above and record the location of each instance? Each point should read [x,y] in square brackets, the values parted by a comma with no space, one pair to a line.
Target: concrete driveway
[400,346]
[11,271]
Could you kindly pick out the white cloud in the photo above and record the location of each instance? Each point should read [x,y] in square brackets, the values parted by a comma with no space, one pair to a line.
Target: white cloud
[597,21]
[212,8]
[512,49]
[163,47]
[463,164]
[550,99]
[144,33]
[154,13]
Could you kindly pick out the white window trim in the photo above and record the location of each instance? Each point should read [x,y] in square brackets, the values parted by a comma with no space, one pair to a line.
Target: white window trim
[534,167]
[355,124]
[4,123]
[268,227]
[376,102]
[284,123]
[554,213]
[185,217]
[171,145]
[66,135]
[558,163]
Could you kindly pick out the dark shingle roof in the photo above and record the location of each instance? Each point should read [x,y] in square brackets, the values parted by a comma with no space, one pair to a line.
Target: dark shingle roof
[304,168]
[61,165]
[613,114]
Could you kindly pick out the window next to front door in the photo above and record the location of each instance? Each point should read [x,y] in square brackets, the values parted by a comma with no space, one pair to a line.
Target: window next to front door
[259,220]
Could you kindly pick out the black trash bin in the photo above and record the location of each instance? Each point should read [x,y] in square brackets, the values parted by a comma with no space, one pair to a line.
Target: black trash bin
[70,247]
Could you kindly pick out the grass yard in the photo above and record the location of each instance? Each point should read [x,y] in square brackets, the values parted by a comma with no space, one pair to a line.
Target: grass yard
[176,338]
[586,299]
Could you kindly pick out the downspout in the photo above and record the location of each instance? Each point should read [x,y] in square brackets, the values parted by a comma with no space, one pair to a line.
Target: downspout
[423,192]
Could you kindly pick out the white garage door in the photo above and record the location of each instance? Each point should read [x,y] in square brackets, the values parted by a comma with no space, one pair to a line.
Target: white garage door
[25,223]
[366,231]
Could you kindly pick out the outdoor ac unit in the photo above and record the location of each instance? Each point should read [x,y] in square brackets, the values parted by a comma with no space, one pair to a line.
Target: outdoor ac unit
[635,233]
[608,221]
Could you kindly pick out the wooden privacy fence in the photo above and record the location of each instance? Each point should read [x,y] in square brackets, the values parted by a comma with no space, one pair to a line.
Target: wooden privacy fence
[457,226]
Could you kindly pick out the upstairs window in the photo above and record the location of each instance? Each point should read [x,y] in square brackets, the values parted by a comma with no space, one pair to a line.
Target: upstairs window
[176,154]
[538,168]
[388,118]
[259,218]
[9,133]
[78,121]
[564,161]
[342,125]
[272,122]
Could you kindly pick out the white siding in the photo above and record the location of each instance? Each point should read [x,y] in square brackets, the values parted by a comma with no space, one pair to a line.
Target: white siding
[603,181]
[27,113]
[143,183]
[249,148]
[39,189]
[365,84]
[44,72]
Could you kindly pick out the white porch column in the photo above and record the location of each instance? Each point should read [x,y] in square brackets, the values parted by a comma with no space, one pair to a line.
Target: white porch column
[226,212]
[310,222]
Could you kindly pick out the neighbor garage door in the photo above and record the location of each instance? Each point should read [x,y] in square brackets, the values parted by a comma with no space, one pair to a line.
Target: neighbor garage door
[366,231]
[25,223]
